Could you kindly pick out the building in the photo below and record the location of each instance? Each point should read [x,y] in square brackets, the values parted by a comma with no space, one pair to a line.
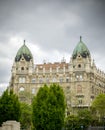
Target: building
[80,78]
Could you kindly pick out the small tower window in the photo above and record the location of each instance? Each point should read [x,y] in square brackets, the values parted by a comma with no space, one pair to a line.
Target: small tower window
[79,66]
[22,68]
[79,56]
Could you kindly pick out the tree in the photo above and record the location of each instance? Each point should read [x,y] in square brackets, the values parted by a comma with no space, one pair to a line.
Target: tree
[26,116]
[71,122]
[81,120]
[49,108]
[85,118]
[9,107]
[99,104]
[25,96]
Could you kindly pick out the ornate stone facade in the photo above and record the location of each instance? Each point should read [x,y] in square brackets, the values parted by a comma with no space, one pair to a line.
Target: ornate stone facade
[80,78]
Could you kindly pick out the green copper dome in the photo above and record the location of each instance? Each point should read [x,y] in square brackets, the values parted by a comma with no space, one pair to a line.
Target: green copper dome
[81,49]
[25,52]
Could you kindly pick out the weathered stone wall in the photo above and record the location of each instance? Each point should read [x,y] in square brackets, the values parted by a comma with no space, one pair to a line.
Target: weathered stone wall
[10,125]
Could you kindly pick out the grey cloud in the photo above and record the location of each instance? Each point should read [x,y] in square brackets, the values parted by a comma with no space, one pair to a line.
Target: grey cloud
[52,24]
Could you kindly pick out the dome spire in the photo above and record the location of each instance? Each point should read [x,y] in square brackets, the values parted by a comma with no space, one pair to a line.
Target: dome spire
[24,42]
[80,38]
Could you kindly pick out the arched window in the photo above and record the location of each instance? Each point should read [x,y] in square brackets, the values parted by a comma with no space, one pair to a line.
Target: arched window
[47,80]
[21,89]
[54,80]
[81,77]
[40,80]
[79,89]
[61,80]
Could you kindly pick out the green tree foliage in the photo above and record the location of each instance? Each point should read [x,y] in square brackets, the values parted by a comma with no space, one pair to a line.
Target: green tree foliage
[26,116]
[9,107]
[99,104]
[81,120]
[25,96]
[49,108]
[85,118]
[72,122]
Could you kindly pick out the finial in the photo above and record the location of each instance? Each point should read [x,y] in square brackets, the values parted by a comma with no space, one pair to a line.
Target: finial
[24,42]
[80,38]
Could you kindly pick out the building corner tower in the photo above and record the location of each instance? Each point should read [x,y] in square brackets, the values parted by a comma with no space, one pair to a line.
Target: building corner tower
[22,70]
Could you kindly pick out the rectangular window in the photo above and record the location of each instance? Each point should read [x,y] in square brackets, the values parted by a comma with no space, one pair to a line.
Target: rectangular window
[67,79]
[21,79]
[33,90]
[33,80]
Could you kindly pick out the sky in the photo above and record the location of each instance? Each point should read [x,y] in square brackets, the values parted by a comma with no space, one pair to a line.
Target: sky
[52,29]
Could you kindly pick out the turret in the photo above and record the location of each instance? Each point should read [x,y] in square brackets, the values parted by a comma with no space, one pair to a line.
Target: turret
[23,63]
[81,58]
[81,50]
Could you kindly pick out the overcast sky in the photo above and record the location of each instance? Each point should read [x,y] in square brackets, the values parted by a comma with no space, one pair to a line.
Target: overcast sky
[51,29]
